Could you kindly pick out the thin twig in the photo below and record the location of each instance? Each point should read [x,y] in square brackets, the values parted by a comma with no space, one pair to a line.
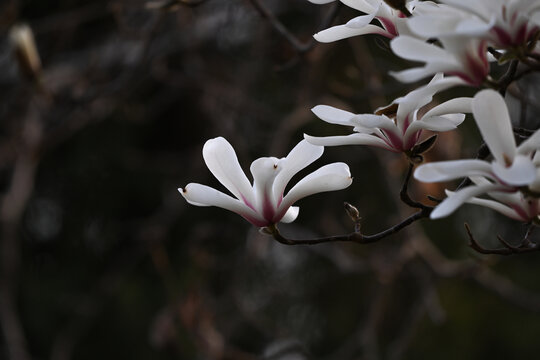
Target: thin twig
[404,193]
[299,46]
[355,237]
[525,246]
[508,77]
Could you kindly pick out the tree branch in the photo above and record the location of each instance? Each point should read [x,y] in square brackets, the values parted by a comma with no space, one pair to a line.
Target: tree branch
[356,237]
[299,46]
[524,247]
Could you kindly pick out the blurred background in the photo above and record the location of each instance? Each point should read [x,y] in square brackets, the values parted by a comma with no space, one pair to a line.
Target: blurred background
[101,258]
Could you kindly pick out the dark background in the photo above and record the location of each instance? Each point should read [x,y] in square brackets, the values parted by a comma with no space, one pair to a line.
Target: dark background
[103,259]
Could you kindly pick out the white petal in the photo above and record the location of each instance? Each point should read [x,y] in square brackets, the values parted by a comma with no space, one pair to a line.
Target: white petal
[531,144]
[522,171]
[415,100]
[410,75]
[414,74]
[330,177]
[436,123]
[535,185]
[424,95]
[509,198]
[457,105]
[474,27]
[264,171]
[433,25]
[290,215]
[476,7]
[221,160]
[333,115]
[374,121]
[492,118]
[455,200]
[360,21]
[300,156]
[497,206]
[414,49]
[364,6]
[353,139]
[339,32]
[202,195]
[450,170]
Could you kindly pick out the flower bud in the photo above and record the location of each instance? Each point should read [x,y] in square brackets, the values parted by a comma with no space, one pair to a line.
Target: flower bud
[24,46]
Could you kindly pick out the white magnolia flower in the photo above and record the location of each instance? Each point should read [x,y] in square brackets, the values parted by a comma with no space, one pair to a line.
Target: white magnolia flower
[512,167]
[515,205]
[392,22]
[397,127]
[263,203]
[505,23]
[460,56]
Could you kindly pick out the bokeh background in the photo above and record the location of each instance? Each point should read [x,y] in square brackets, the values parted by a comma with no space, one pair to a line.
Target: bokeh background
[101,258]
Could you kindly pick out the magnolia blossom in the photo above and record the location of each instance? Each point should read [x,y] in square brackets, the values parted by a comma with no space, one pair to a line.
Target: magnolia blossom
[392,22]
[515,205]
[460,56]
[263,203]
[504,23]
[397,127]
[512,168]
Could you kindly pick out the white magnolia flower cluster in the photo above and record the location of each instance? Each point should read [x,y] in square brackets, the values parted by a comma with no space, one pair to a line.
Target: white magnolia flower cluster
[459,42]
[462,31]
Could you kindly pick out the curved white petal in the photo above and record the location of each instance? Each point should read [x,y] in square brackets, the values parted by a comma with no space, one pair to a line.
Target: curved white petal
[457,105]
[416,99]
[476,7]
[424,95]
[455,200]
[450,170]
[506,197]
[339,32]
[535,185]
[330,177]
[492,204]
[531,144]
[436,123]
[303,154]
[366,6]
[333,115]
[433,24]
[410,75]
[264,171]
[417,73]
[448,24]
[374,121]
[353,139]
[290,215]
[202,195]
[360,21]
[521,172]
[493,121]
[410,48]
[221,160]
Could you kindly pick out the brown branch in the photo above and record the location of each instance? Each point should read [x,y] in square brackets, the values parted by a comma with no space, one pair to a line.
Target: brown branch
[299,46]
[505,80]
[12,207]
[404,193]
[524,247]
[355,237]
